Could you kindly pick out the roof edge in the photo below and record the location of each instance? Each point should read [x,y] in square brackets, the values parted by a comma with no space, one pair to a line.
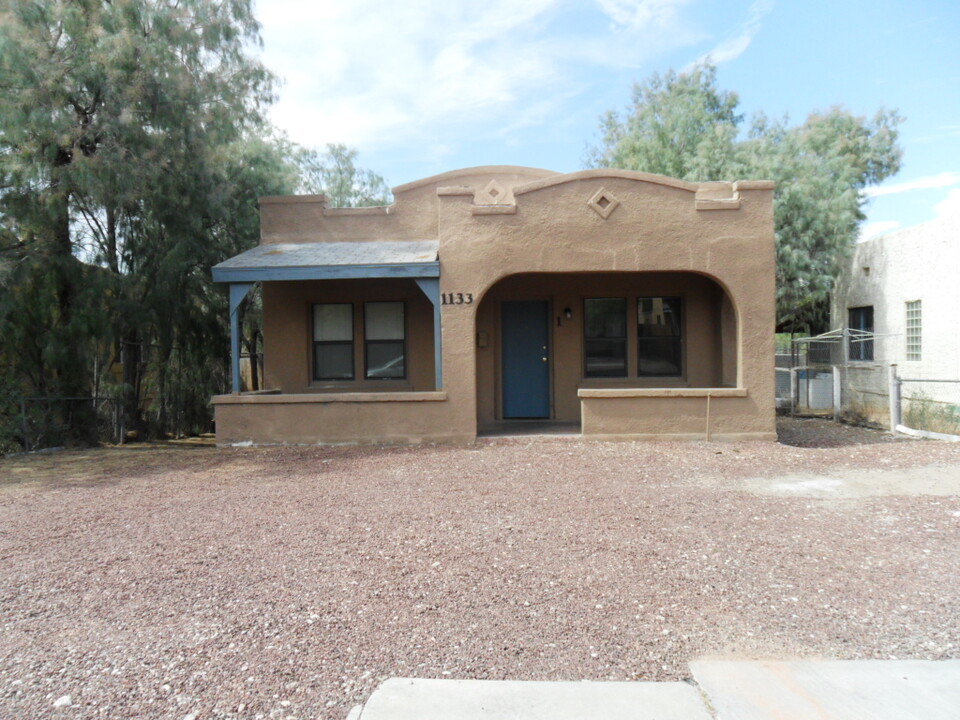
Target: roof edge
[443,178]
[607,173]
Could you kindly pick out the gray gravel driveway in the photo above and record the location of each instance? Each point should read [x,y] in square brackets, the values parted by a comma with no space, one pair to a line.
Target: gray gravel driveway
[288,582]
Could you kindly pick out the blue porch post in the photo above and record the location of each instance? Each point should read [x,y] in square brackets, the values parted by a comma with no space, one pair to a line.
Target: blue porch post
[431,288]
[238,291]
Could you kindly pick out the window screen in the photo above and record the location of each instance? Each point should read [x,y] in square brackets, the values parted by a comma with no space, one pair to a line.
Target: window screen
[385,340]
[333,341]
[605,337]
[659,350]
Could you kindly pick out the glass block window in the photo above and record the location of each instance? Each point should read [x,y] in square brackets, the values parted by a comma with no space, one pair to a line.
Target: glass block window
[659,351]
[914,327]
[861,318]
[384,340]
[605,337]
[333,341]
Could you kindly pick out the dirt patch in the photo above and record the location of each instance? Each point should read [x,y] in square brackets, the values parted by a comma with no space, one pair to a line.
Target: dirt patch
[820,433]
[286,582]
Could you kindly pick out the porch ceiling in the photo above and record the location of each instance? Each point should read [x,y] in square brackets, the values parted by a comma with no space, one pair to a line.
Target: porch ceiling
[327,260]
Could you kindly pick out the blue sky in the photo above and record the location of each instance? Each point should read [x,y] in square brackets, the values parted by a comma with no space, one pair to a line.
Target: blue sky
[425,86]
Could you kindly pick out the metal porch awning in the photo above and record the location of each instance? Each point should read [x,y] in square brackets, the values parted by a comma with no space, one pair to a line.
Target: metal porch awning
[328,260]
[278,262]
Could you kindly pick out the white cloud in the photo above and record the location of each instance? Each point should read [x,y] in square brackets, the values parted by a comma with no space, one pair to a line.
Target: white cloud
[734,47]
[374,74]
[949,207]
[641,14]
[940,180]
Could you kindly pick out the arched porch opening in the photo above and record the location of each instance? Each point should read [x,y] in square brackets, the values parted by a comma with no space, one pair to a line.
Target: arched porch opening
[543,339]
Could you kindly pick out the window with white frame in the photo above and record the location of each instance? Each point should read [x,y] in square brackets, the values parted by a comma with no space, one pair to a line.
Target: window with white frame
[384,334]
[333,341]
[914,328]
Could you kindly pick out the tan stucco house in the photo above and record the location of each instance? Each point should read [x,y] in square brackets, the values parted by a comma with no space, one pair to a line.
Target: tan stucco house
[630,304]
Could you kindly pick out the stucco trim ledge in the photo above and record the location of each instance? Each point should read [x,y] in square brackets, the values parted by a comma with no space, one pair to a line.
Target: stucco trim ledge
[662,392]
[307,398]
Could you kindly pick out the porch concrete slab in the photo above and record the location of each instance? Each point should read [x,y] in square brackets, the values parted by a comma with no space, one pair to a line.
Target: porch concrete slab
[414,699]
[831,690]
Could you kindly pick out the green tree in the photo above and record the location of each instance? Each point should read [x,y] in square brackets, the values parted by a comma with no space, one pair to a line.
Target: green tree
[682,125]
[335,174]
[113,120]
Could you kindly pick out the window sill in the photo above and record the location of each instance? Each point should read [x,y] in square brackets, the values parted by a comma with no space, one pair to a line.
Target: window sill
[341,397]
[720,392]
[352,386]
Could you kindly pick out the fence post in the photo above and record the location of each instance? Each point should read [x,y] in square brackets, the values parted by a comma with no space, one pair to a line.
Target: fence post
[894,399]
[836,393]
[25,423]
[794,390]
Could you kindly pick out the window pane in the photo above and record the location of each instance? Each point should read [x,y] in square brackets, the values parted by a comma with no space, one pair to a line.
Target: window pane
[605,318]
[385,360]
[659,351]
[861,346]
[332,322]
[914,328]
[333,361]
[384,320]
[659,356]
[658,317]
[605,358]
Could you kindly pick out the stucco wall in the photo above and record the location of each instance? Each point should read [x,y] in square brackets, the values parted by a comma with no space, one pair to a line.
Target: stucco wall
[287,328]
[919,263]
[716,240]
[701,332]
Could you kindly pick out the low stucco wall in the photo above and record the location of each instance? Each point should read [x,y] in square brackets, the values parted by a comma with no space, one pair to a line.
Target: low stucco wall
[673,413]
[358,418]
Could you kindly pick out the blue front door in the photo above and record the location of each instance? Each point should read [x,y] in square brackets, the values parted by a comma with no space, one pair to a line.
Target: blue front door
[526,367]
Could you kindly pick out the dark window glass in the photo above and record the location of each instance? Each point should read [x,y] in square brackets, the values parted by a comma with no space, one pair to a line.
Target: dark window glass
[659,350]
[861,347]
[385,340]
[605,337]
[333,341]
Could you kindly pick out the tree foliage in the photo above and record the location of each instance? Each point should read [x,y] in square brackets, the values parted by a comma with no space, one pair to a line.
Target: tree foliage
[334,173]
[132,153]
[124,131]
[684,126]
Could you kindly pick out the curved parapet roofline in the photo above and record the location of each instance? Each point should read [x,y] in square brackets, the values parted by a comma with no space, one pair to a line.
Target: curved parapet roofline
[607,173]
[447,178]
[640,177]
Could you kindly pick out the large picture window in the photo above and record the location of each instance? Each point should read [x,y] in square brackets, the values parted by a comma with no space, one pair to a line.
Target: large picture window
[605,337]
[659,351]
[384,340]
[861,346]
[333,341]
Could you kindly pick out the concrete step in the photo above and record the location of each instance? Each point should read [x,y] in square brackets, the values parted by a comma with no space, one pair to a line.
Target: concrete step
[415,699]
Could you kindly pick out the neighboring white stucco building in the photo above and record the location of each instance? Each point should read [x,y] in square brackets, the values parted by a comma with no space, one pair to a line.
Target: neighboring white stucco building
[905,287]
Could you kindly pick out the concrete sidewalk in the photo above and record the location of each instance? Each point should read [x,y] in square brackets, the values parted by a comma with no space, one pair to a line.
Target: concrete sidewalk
[832,689]
[723,690]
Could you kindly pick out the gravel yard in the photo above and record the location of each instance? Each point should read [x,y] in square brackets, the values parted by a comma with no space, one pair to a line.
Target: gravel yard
[171,582]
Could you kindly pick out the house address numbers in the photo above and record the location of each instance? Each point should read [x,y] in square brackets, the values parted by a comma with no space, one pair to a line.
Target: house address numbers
[456,298]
